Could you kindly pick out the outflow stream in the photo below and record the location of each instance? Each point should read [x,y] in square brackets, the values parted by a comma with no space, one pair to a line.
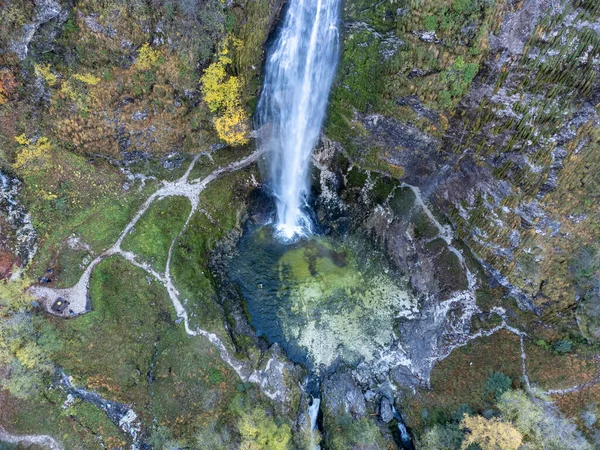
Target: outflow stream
[299,72]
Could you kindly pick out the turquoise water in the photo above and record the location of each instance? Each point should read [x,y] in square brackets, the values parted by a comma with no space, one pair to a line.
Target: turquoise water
[323,300]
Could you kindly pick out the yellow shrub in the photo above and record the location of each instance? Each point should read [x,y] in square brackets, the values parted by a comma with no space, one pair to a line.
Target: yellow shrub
[43,70]
[68,91]
[232,126]
[490,434]
[87,78]
[147,57]
[222,94]
[29,153]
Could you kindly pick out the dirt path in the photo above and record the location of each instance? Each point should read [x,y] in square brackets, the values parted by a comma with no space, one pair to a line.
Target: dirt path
[270,381]
[30,439]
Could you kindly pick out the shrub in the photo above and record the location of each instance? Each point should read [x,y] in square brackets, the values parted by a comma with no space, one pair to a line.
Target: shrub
[222,93]
[498,384]
[355,434]
[490,434]
[260,432]
[87,78]
[563,346]
[461,411]
[148,58]
[442,437]
[462,6]
[431,23]
[458,77]
[32,154]
[543,344]
[44,71]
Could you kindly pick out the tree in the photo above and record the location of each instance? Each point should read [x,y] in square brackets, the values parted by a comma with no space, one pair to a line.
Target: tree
[498,384]
[442,437]
[14,295]
[260,432]
[222,94]
[539,424]
[25,346]
[490,434]
[26,341]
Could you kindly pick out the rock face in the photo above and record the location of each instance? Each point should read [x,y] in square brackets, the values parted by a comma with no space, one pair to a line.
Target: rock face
[341,395]
[505,170]
[49,16]
[18,240]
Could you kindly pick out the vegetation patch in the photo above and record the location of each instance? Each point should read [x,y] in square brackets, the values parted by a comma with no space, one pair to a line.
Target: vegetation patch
[153,234]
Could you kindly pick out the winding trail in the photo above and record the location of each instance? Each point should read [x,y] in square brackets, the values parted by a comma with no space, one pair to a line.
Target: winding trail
[270,379]
[78,295]
[40,439]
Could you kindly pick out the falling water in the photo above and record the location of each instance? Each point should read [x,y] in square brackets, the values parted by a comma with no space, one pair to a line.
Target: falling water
[313,412]
[298,77]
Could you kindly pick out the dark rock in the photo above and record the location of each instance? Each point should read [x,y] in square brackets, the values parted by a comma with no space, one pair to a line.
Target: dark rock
[342,395]
[385,410]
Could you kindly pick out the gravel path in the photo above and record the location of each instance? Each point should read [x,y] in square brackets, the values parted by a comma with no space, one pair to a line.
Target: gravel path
[41,440]
[271,377]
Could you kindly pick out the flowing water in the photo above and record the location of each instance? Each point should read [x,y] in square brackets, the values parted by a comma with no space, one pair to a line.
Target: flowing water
[298,76]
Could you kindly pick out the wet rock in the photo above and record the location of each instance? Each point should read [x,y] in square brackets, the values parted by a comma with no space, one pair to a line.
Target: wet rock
[405,145]
[342,395]
[385,410]
[419,108]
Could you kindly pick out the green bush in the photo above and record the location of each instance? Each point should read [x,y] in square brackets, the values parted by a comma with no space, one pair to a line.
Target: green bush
[431,23]
[498,384]
[563,346]
[463,409]
[442,437]
[462,6]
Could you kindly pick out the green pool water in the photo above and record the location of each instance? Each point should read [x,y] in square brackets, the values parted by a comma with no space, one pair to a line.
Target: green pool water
[323,300]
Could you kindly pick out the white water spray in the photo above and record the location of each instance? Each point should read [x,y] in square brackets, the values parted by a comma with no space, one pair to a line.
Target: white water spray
[313,412]
[298,77]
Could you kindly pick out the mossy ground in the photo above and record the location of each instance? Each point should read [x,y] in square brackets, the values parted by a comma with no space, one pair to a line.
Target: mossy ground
[155,231]
[223,206]
[461,379]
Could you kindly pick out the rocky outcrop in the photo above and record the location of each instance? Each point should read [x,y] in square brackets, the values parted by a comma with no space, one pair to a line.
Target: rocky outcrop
[49,16]
[18,241]
[341,395]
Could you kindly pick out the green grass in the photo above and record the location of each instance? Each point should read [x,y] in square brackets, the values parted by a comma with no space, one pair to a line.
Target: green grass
[91,206]
[192,384]
[190,266]
[75,427]
[110,348]
[156,229]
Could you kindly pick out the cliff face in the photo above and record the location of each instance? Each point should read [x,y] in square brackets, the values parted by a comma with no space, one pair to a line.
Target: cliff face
[491,109]
[463,138]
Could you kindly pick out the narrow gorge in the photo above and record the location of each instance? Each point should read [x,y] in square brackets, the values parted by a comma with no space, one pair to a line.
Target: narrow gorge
[302,224]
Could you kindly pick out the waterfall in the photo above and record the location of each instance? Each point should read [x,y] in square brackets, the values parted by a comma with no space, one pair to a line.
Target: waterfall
[313,412]
[298,75]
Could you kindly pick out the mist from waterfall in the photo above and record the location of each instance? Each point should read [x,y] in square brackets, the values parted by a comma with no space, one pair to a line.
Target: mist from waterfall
[299,72]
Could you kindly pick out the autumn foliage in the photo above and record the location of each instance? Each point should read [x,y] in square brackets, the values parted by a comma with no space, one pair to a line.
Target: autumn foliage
[492,434]
[222,93]
[7,85]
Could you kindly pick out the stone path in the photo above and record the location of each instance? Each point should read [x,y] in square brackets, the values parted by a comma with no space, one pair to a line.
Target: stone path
[271,377]
[40,439]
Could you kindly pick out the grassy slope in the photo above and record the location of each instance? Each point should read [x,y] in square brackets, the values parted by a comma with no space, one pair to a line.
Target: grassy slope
[156,229]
